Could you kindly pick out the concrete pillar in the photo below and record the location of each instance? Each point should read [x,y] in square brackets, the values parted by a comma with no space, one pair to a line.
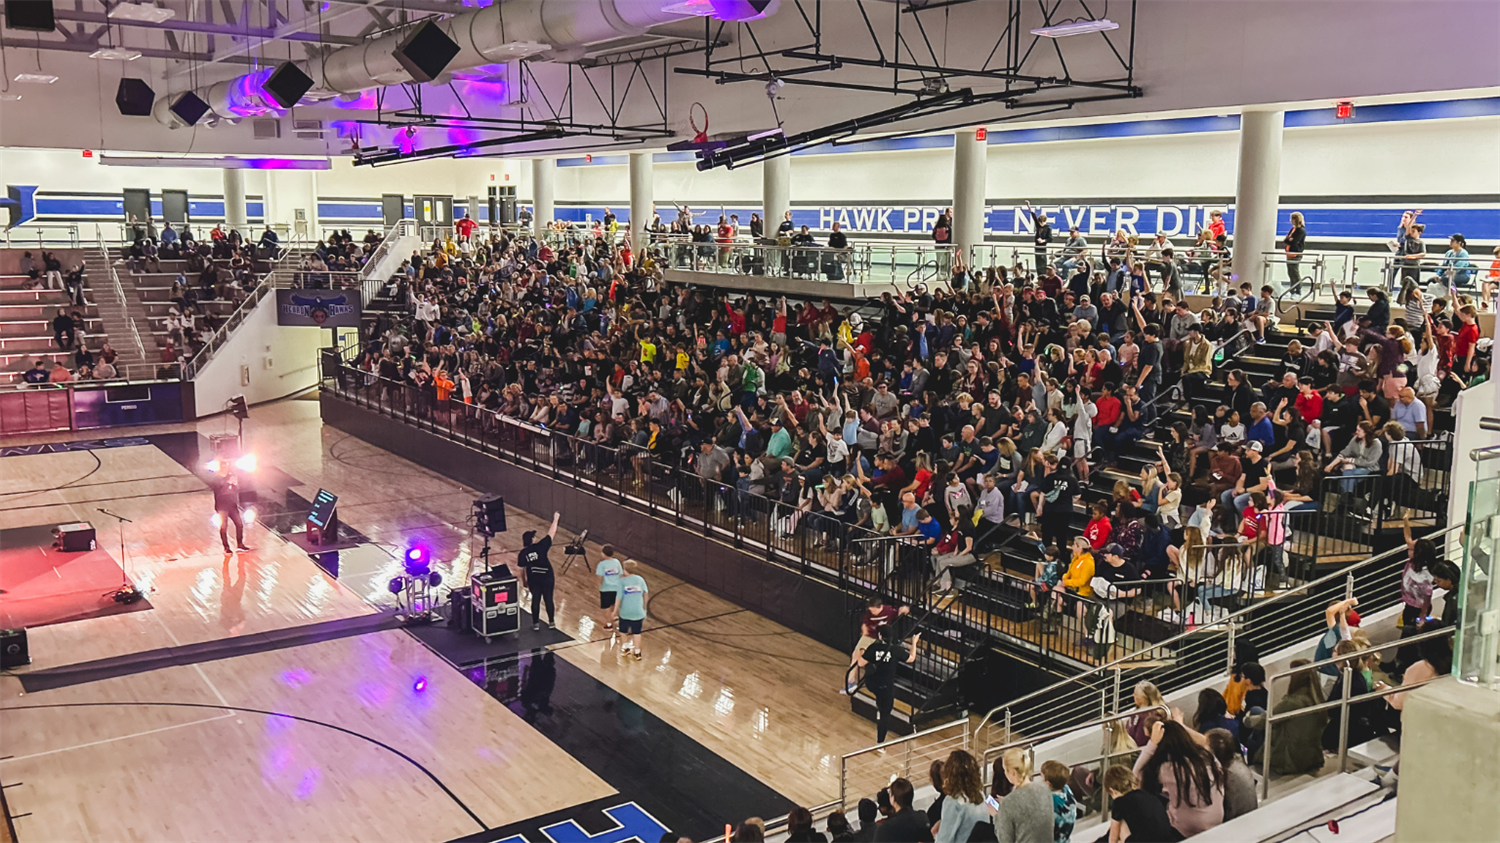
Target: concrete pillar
[1450,764]
[968,191]
[776,190]
[1257,193]
[234,202]
[642,199]
[542,172]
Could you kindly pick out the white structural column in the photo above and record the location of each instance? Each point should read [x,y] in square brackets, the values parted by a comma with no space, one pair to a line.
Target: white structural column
[1257,193]
[968,191]
[776,190]
[642,199]
[234,202]
[542,172]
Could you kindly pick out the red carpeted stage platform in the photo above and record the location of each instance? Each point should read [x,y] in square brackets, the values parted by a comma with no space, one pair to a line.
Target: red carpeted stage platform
[40,585]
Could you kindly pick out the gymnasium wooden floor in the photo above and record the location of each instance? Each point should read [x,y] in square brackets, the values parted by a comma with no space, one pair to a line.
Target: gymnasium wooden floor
[212,750]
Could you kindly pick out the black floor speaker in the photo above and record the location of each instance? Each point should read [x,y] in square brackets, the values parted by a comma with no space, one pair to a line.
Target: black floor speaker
[13,652]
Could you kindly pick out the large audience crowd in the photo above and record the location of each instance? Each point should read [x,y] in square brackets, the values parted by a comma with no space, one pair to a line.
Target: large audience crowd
[941,413]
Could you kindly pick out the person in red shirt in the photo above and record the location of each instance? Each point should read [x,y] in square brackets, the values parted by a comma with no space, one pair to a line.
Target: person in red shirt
[1216,223]
[1099,527]
[876,618]
[1467,340]
[1108,415]
[1252,522]
[466,227]
[1309,401]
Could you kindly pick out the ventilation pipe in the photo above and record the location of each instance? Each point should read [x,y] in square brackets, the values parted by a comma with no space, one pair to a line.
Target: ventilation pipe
[508,30]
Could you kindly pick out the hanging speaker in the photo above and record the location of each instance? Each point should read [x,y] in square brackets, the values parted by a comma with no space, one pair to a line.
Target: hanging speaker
[426,51]
[288,84]
[30,15]
[189,108]
[134,97]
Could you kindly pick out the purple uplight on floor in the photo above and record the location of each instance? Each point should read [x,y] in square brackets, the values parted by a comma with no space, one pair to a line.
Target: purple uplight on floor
[420,685]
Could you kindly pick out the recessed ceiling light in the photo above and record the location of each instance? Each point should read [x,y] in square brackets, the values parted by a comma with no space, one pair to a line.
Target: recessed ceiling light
[1077,27]
[141,12]
[36,78]
[115,53]
[9,97]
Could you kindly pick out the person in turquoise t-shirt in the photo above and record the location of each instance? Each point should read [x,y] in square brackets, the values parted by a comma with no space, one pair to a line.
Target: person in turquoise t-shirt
[609,571]
[630,611]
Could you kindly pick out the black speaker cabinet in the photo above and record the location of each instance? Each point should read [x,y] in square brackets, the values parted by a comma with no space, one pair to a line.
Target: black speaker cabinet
[426,51]
[30,15]
[75,538]
[189,108]
[13,652]
[134,97]
[288,84]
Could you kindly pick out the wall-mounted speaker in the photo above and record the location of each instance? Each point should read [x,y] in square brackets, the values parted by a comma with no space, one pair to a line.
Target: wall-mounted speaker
[288,84]
[426,51]
[134,97]
[30,15]
[13,650]
[189,108]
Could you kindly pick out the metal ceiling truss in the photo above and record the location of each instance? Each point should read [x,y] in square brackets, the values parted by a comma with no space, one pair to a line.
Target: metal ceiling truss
[552,114]
[916,71]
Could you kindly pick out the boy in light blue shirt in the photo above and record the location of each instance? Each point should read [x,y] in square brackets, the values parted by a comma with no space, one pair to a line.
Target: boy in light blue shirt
[631,612]
[609,570]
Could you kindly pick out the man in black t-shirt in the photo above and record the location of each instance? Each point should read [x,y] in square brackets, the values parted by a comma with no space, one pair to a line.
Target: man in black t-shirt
[1055,491]
[536,572]
[879,661]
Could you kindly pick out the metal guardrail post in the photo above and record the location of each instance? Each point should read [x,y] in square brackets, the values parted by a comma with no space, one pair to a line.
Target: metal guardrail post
[1265,747]
[1233,629]
[1349,586]
[1348,675]
[1008,735]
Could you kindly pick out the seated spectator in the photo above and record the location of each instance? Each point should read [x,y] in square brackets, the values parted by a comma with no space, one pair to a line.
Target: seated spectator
[1026,814]
[905,824]
[963,804]
[1241,796]
[799,826]
[1133,813]
[1186,774]
[1296,744]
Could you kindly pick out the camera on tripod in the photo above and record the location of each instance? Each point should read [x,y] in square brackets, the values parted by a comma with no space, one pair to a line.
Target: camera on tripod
[575,547]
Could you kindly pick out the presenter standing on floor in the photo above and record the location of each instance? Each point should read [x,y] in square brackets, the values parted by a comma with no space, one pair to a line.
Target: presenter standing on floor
[536,572]
[227,505]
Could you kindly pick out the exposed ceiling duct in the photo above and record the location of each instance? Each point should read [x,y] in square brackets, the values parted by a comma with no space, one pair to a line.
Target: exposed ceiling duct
[508,30]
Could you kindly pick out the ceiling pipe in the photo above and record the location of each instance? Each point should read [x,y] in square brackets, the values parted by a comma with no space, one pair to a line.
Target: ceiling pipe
[508,30]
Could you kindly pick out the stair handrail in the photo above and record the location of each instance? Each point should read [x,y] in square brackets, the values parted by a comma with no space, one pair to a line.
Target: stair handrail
[1342,664]
[114,278]
[1232,621]
[894,746]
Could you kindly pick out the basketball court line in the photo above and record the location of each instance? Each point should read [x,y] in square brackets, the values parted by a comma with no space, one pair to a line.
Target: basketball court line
[104,741]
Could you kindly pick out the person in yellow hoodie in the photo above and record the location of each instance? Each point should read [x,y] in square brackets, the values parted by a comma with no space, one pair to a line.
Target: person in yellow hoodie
[1080,569]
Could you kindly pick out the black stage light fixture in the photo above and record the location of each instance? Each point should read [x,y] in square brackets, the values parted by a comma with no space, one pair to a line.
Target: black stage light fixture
[489,515]
[239,408]
[189,108]
[134,97]
[287,84]
[426,51]
[30,15]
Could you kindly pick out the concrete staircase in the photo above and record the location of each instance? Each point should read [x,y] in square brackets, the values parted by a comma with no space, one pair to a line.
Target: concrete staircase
[121,313]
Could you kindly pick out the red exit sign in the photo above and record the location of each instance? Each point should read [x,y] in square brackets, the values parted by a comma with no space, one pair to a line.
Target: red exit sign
[981,133]
[88,153]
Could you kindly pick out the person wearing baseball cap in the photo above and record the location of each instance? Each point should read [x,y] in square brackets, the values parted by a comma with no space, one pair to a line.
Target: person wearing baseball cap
[1254,477]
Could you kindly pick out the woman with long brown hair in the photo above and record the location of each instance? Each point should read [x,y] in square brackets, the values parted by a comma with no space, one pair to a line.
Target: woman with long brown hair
[963,803]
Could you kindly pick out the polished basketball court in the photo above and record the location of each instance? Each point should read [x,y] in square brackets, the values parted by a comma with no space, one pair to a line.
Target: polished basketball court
[259,691]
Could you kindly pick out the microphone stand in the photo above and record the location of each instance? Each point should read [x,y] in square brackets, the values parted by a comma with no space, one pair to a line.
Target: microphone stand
[127,592]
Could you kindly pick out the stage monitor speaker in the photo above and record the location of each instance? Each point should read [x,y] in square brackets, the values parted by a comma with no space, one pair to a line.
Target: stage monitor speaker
[30,15]
[189,108]
[74,538]
[134,97]
[489,515]
[426,52]
[288,84]
[13,652]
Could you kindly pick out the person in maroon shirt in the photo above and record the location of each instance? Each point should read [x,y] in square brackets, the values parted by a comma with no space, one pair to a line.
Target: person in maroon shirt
[1466,341]
[1109,408]
[876,617]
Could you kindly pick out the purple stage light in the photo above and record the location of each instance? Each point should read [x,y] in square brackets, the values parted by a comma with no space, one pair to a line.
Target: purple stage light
[420,685]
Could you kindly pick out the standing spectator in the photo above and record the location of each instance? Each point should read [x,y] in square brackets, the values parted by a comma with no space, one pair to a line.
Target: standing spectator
[1294,244]
[1042,237]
